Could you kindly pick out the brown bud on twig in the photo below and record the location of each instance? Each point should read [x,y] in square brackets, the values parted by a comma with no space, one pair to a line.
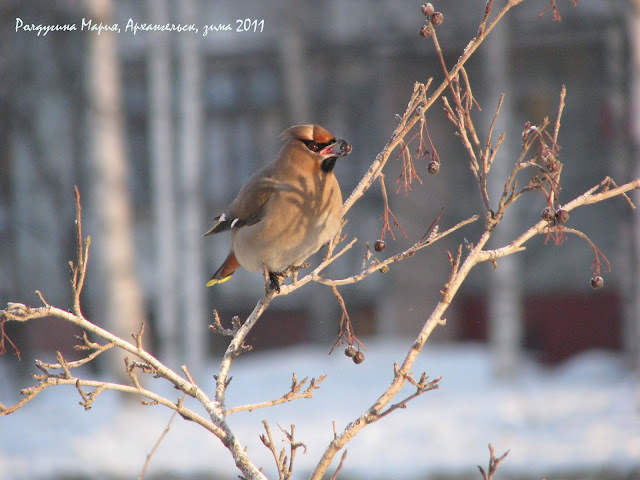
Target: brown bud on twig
[426,31]
[436,19]
[358,358]
[427,9]
[350,351]
[597,282]
[379,246]
[433,167]
[548,214]
[384,269]
[562,216]
[553,165]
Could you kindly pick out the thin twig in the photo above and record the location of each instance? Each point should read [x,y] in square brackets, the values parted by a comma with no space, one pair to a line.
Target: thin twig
[294,394]
[375,267]
[342,459]
[493,464]
[164,433]
[386,227]
[487,12]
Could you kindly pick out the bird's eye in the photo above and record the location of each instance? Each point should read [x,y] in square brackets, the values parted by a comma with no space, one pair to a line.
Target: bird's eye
[313,146]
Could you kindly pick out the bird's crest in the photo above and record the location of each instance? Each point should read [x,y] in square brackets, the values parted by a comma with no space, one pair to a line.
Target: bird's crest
[314,133]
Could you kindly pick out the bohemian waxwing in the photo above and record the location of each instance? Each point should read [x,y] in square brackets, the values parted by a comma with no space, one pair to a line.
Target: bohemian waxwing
[288,209]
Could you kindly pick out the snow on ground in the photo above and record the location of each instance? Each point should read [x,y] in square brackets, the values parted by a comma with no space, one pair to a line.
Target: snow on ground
[582,416]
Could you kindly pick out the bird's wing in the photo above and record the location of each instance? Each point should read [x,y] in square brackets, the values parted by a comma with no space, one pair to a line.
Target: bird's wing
[248,206]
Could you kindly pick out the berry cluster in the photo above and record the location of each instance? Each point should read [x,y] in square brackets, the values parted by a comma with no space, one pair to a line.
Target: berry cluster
[433,20]
[549,214]
[356,355]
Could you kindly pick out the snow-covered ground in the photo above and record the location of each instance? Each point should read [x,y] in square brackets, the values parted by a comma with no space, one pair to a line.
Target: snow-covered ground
[581,417]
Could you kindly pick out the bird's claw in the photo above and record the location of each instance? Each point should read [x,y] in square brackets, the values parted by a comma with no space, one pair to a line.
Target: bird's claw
[274,283]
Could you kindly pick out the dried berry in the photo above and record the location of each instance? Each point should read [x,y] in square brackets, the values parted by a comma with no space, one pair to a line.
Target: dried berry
[426,31]
[433,167]
[350,351]
[548,214]
[436,19]
[553,165]
[562,216]
[597,282]
[427,9]
[358,358]
[379,246]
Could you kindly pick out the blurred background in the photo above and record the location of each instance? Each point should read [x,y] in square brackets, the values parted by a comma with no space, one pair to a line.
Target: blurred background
[160,129]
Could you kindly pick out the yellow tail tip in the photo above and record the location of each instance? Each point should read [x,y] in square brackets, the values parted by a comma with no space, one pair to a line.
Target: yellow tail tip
[215,281]
[212,230]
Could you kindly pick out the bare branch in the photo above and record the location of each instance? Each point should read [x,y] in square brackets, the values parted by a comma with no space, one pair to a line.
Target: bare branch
[164,433]
[78,271]
[267,441]
[236,345]
[547,168]
[51,381]
[342,459]
[218,426]
[375,267]
[217,327]
[44,302]
[587,198]
[556,129]
[421,387]
[138,336]
[487,12]
[283,463]
[294,394]
[57,366]
[493,464]
[386,227]
[315,275]
[346,331]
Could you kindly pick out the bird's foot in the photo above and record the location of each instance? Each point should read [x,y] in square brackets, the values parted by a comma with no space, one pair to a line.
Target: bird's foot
[295,268]
[274,283]
[273,280]
[293,271]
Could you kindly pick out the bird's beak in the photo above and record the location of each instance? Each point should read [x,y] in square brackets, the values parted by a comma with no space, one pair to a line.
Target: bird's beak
[340,148]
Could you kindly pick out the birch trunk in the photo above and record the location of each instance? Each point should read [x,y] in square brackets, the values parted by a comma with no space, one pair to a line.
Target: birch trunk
[163,185]
[192,277]
[113,247]
[632,327]
[504,295]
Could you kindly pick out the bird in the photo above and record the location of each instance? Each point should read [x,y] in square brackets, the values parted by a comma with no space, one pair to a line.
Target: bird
[287,210]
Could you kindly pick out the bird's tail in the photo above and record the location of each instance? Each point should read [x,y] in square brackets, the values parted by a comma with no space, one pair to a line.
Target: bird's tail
[225,271]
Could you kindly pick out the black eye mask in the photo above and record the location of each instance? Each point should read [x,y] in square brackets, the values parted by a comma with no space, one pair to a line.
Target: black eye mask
[315,146]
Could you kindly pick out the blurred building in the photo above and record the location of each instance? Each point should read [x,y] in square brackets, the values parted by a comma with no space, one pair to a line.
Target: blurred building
[349,65]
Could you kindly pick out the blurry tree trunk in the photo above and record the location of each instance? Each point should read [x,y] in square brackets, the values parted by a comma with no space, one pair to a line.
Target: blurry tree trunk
[618,152]
[40,181]
[294,65]
[163,186]
[41,174]
[504,295]
[632,328]
[192,278]
[123,308]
